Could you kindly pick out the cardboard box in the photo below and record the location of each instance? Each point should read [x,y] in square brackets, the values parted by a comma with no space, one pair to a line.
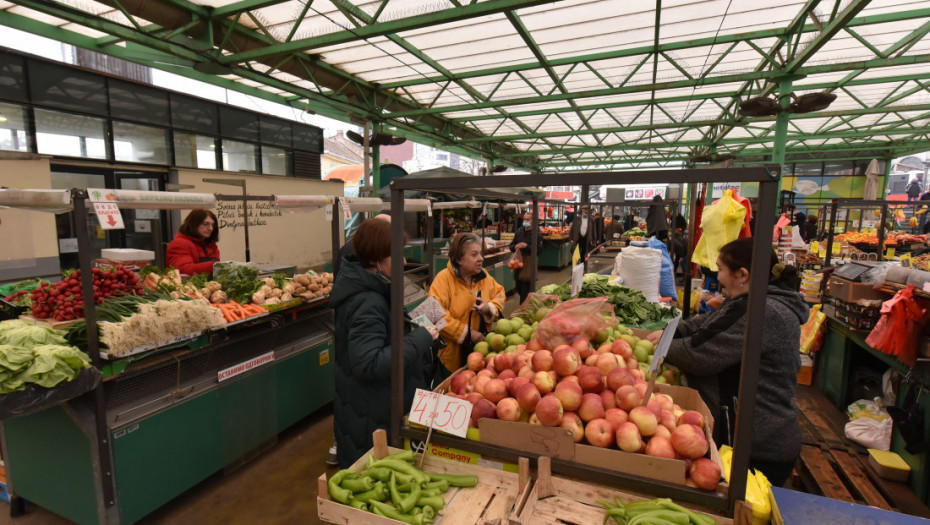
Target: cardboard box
[851,291]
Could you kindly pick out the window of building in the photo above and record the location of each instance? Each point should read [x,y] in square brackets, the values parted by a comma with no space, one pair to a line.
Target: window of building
[13,128]
[194,151]
[240,156]
[275,161]
[70,135]
[134,143]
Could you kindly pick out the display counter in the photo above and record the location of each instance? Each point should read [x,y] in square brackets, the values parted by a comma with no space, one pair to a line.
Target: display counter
[556,253]
[843,352]
[175,417]
[414,249]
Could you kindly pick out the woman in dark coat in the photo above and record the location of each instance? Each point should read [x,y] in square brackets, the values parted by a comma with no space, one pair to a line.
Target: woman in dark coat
[361,299]
[522,237]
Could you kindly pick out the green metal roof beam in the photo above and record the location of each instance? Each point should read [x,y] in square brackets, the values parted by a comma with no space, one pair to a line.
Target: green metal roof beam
[835,26]
[453,14]
[243,6]
[903,45]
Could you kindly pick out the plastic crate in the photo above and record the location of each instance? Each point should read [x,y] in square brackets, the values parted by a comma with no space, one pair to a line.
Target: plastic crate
[11,311]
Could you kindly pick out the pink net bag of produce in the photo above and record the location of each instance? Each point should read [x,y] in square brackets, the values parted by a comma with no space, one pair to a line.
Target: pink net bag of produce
[575,319]
[536,307]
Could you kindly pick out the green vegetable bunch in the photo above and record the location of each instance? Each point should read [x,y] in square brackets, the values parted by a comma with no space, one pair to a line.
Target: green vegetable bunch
[563,291]
[239,281]
[36,354]
[660,511]
[635,232]
[394,488]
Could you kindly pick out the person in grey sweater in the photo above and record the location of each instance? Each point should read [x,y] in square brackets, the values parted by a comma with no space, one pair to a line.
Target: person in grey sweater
[708,350]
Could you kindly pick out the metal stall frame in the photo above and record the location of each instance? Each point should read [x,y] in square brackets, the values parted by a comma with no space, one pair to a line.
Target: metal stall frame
[758,290]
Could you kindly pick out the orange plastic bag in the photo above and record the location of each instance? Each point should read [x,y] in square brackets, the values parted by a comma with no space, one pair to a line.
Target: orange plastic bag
[575,319]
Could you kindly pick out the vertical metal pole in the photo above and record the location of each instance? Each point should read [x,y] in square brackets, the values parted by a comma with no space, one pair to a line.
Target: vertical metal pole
[534,239]
[781,134]
[337,221]
[686,271]
[885,181]
[245,213]
[755,321]
[376,169]
[366,160]
[428,245]
[881,232]
[78,198]
[397,315]
[832,225]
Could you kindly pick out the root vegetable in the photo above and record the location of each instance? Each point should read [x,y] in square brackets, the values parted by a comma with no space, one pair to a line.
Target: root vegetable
[258,298]
[218,297]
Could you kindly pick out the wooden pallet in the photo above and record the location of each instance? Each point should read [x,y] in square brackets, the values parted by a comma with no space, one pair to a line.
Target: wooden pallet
[837,468]
[558,501]
[497,495]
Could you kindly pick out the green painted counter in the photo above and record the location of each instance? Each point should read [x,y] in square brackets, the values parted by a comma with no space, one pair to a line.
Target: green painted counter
[555,254]
[844,351]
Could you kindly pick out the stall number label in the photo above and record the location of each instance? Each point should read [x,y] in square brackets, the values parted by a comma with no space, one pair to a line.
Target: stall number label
[324,357]
[444,413]
[109,216]
[244,367]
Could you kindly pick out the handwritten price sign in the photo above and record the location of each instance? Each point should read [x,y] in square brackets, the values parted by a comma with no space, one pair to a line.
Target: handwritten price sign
[444,413]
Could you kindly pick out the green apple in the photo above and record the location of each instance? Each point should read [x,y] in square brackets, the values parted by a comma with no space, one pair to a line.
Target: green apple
[662,380]
[516,323]
[504,327]
[647,344]
[629,339]
[483,347]
[497,342]
[542,312]
[535,325]
[525,332]
[510,349]
[640,353]
[601,335]
[515,340]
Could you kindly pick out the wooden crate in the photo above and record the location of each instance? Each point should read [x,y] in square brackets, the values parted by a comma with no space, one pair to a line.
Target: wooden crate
[558,501]
[498,496]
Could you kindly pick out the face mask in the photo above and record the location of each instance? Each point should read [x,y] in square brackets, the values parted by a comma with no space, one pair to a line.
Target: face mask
[526,224]
[381,273]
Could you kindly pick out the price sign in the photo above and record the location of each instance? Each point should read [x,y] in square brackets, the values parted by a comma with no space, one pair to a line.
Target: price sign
[109,216]
[661,349]
[577,279]
[837,249]
[889,254]
[347,211]
[823,252]
[444,413]
[906,261]
[815,247]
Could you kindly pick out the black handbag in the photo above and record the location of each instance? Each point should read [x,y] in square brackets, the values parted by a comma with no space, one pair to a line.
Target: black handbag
[468,346]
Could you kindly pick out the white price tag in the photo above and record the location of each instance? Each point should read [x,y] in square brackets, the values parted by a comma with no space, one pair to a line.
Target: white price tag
[577,278]
[664,343]
[451,414]
[329,212]
[109,216]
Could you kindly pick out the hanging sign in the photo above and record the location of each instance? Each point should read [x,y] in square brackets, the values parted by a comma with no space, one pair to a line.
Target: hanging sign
[160,200]
[109,216]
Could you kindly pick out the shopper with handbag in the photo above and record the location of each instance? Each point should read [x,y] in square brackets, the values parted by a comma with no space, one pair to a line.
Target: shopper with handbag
[522,238]
[470,297]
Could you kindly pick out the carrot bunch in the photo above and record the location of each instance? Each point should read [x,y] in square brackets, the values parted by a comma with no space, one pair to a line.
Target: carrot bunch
[233,311]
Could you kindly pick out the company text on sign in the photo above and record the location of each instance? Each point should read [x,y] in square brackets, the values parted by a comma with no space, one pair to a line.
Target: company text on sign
[245,366]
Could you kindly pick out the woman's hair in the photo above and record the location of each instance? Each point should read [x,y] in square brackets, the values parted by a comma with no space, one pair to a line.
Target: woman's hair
[812,218]
[194,219]
[459,245]
[738,254]
[372,241]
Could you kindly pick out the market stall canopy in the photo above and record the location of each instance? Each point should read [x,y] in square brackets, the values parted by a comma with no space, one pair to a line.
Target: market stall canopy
[54,201]
[446,172]
[351,174]
[547,84]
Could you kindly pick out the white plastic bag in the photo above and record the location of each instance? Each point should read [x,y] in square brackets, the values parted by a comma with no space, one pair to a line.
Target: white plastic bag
[870,433]
[797,241]
[641,270]
[870,408]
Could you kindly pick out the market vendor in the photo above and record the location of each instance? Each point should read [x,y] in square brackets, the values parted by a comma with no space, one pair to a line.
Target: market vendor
[194,248]
[521,239]
[614,230]
[709,348]
[469,295]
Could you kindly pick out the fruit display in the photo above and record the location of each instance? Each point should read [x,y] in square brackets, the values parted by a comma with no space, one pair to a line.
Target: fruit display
[556,232]
[870,240]
[659,510]
[64,301]
[921,262]
[630,306]
[807,258]
[393,487]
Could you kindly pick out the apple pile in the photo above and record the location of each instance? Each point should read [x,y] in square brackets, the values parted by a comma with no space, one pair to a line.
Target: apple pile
[597,393]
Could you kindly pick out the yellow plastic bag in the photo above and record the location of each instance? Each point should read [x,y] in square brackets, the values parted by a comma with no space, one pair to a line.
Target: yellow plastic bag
[720,224]
[757,488]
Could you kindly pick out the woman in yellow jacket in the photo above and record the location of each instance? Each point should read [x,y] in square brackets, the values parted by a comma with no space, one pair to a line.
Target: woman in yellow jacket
[464,288]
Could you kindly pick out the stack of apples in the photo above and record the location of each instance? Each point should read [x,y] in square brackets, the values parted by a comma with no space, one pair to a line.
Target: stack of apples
[597,393]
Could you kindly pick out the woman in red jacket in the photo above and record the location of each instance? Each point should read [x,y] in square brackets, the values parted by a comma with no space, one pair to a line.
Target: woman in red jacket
[194,249]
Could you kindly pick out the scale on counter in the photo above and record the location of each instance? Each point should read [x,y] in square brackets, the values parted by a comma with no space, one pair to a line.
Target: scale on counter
[853,271]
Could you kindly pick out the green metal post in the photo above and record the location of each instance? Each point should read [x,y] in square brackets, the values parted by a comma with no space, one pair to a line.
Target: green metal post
[781,129]
[885,180]
[375,167]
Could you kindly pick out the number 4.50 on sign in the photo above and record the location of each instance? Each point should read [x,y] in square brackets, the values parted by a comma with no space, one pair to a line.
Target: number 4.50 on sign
[444,413]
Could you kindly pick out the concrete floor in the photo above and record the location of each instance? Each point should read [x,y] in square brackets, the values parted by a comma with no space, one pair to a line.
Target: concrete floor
[278,487]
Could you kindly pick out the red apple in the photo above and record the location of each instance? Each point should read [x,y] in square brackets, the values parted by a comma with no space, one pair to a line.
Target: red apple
[628,437]
[662,430]
[689,441]
[637,374]
[526,372]
[705,473]
[604,348]
[691,417]
[565,361]
[542,361]
[631,364]
[591,407]
[535,345]
[549,411]
[609,399]
[660,447]
[668,419]
[488,372]
[475,361]
[519,361]
[571,421]
[460,381]
[569,394]
[503,362]
[599,432]
[583,347]
[665,401]
[606,363]
[507,374]
[641,386]
[516,384]
[528,396]
[591,360]
[628,398]
[480,383]
[617,378]
[495,390]
[622,349]
[654,405]
[473,397]
[590,379]
[645,419]
[571,379]
[543,382]
[482,409]
[509,410]
[534,419]
[616,416]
